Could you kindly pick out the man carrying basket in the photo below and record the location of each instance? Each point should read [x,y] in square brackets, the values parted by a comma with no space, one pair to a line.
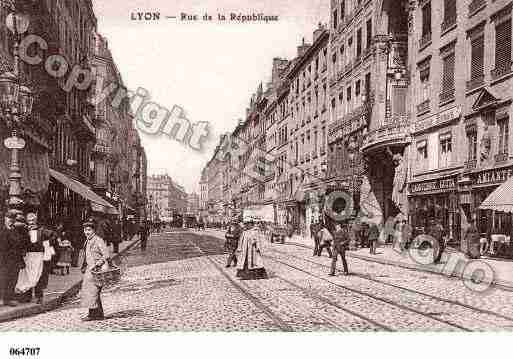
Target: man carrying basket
[96,260]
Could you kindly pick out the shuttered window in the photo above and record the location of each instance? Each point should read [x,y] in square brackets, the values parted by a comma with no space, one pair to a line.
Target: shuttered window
[503,46]
[477,66]
[358,42]
[369,33]
[448,77]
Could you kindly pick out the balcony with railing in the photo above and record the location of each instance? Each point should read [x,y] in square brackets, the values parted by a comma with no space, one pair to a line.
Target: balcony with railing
[396,131]
[425,40]
[475,6]
[501,71]
[475,83]
[102,147]
[423,107]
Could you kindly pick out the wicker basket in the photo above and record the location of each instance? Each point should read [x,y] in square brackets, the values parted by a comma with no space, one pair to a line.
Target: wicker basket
[106,278]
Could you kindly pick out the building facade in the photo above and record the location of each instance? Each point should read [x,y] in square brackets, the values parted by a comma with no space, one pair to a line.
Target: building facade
[463,113]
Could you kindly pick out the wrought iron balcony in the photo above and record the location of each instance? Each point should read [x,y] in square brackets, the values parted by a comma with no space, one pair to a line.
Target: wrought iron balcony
[425,40]
[475,83]
[498,72]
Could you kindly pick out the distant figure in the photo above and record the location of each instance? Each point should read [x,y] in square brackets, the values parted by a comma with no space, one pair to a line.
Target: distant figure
[373,237]
[471,238]
[436,231]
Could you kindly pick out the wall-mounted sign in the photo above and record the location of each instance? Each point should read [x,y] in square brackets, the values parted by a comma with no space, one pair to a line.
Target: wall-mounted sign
[436,185]
[494,176]
[438,119]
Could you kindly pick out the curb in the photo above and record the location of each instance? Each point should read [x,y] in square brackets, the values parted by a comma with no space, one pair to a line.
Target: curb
[505,285]
[55,301]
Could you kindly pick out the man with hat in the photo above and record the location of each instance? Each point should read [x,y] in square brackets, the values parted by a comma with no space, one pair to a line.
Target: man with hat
[341,241]
[96,258]
[12,250]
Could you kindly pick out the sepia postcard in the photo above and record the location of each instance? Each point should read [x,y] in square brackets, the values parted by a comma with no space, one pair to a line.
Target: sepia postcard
[254,166]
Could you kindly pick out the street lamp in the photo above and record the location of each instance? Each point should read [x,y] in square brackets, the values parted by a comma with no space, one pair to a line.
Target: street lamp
[352,149]
[16,101]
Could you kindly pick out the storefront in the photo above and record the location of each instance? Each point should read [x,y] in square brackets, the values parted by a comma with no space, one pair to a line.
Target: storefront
[435,199]
[489,220]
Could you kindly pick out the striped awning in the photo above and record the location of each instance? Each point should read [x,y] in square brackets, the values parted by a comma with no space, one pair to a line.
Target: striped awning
[501,199]
[34,166]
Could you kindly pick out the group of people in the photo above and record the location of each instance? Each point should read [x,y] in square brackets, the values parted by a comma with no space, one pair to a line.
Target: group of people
[29,253]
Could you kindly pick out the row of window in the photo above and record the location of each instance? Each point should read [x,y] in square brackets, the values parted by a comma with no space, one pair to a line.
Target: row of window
[436,151]
[503,63]
[348,53]
[350,103]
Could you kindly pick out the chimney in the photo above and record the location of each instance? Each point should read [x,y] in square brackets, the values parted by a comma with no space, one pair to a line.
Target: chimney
[318,32]
[302,49]
[278,66]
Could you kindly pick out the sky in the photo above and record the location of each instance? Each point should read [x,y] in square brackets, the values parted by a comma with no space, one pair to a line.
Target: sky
[208,68]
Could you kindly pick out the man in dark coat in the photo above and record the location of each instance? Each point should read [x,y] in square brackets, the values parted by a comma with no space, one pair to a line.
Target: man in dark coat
[314,231]
[232,242]
[373,237]
[144,233]
[325,240]
[340,244]
[12,250]
[116,235]
[471,238]
[436,231]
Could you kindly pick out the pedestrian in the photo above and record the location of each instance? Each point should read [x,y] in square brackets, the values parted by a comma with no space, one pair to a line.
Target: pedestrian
[373,237]
[340,243]
[436,231]
[314,232]
[116,236]
[471,238]
[65,255]
[355,234]
[144,232]
[232,243]
[12,251]
[365,233]
[325,240]
[96,258]
[250,263]
[38,260]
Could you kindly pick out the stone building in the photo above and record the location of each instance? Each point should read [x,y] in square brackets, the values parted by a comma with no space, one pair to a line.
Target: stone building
[307,129]
[166,198]
[368,105]
[462,88]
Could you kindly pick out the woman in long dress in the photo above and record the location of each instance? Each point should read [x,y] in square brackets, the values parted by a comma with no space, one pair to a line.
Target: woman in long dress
[96,257]
[250,264]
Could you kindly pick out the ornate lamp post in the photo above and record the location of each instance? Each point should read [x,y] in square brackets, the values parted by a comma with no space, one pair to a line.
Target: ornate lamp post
[16,102]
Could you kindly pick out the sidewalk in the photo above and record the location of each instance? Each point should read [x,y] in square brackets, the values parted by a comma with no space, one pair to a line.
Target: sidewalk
[453,263]
[59,289]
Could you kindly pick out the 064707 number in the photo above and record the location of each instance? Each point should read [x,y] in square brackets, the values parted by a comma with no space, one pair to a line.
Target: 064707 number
[26,351]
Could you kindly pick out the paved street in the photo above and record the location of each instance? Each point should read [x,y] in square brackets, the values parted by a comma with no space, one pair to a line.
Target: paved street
[181,284]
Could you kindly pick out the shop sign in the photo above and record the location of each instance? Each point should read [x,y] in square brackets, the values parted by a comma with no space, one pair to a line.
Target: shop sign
[437,185]
[438,119]
[494,176]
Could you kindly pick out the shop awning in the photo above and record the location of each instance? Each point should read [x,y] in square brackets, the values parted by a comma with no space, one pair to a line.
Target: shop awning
[98,204]
[501,199]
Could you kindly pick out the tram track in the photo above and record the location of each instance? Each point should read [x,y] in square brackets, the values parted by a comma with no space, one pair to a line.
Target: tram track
[408,290]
